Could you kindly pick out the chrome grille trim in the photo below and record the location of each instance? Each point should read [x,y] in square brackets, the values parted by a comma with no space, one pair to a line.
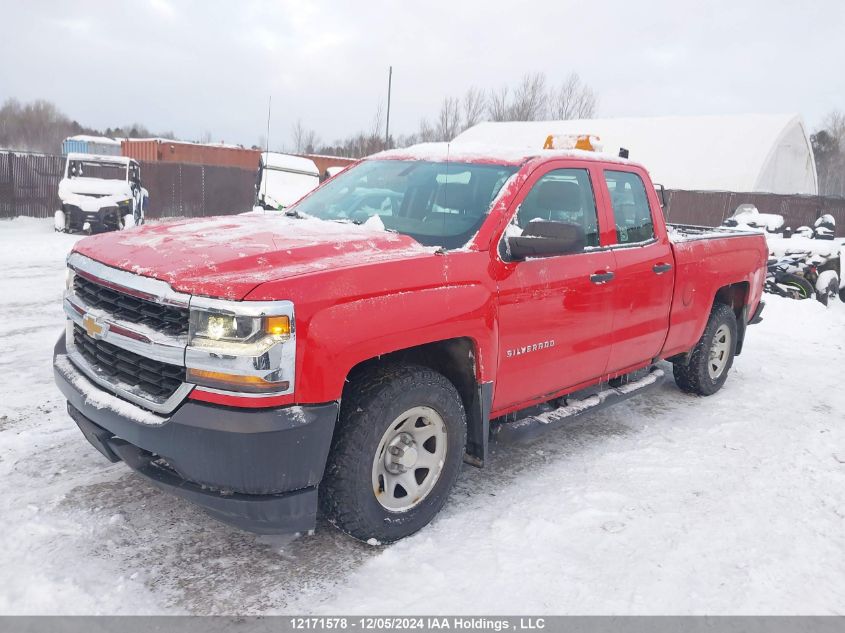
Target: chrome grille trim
[139,286]
[163,407]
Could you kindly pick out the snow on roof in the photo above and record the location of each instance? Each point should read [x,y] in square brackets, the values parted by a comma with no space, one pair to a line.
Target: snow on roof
[753,152]
[287,162]
[95,158]
[103,140]
[472,152]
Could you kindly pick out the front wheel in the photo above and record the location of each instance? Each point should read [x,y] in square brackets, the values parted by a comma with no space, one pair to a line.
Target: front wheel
[396,453]
[713,355]
[60,223]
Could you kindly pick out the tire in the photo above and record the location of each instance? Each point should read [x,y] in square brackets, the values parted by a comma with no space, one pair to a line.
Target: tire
[358,494]
[60,223]
[698,376]
[802,289]
[827,286]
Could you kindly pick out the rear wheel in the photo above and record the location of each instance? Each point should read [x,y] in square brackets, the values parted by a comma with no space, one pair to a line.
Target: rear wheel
[396,453]
[713,355]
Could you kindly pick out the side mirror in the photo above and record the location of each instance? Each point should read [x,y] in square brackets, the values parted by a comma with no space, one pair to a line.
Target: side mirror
[542,238]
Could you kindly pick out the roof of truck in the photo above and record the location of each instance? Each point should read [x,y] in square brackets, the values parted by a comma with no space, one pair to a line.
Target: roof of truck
[488,152]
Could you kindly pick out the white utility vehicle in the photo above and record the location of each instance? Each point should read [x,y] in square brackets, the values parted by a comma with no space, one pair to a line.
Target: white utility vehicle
[283,179]
[100,193]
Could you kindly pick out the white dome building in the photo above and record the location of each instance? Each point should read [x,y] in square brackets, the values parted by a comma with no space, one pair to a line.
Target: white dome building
[745,153]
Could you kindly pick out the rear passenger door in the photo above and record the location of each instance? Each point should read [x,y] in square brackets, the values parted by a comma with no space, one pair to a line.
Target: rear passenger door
[555,312]
[643,266]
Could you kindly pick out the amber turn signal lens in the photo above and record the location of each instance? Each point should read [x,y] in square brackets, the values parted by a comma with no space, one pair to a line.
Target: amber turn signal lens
[254,384]
[278,326]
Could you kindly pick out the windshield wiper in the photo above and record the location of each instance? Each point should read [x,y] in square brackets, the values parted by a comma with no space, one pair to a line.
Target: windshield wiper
[293,213]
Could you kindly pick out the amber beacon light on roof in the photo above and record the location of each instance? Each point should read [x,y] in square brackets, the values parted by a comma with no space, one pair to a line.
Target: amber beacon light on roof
[587,142]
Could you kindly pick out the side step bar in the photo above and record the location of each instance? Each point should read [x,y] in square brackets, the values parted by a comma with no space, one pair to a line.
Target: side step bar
[527,428]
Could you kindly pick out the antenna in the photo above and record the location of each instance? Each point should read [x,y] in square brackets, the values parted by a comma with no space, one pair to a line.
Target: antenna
[267,140]
[387,127]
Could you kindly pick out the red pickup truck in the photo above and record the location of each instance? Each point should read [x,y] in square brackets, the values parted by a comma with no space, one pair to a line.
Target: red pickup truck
[350,353]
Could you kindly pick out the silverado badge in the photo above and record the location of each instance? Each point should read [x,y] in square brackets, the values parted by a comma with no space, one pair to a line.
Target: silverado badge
[526,349]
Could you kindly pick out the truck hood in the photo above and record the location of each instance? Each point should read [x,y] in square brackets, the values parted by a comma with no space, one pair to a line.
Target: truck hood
[227,257]
[92,194]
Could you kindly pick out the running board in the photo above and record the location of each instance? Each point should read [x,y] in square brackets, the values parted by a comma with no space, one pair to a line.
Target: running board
[528,428]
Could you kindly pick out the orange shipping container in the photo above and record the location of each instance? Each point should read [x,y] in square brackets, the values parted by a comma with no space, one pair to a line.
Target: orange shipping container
[180,152]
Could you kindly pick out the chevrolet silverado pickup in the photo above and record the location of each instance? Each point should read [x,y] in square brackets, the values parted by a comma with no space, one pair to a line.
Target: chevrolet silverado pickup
[348,355]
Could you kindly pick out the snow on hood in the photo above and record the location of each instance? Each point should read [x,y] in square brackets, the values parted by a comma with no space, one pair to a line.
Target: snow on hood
[227,257]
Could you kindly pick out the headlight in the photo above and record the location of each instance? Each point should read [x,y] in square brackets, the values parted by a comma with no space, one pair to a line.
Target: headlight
[242,346]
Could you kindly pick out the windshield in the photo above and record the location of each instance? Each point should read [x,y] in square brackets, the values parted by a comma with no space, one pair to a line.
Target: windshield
[104,171]
[436,203]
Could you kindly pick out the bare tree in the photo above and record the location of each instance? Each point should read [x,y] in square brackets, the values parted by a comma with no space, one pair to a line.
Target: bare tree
[473,106]
[497,104]
[206,137]
[426,133]
[573,100]
[829,153]
[834,123]
[304,140]
[448,121]
[529,99]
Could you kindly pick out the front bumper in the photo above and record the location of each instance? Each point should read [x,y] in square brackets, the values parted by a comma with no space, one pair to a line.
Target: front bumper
[103,219]
[257,469]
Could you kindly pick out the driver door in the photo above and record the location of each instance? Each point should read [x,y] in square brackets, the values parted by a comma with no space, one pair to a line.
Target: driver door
[555,313]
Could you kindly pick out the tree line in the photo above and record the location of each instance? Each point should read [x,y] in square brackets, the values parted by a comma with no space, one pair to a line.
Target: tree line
[533,98]
[39,126]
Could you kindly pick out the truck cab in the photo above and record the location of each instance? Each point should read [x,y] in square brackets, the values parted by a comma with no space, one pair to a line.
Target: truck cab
[353,352]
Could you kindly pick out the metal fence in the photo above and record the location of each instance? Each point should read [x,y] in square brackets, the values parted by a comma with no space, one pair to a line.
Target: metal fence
[29,183]
[711,208]
[29,187]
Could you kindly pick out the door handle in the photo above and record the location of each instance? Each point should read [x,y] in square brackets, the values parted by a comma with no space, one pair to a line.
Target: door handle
[601,278]
[661,268]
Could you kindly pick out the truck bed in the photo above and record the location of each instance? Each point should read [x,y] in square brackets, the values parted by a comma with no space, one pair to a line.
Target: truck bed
[706,260]
[690,232]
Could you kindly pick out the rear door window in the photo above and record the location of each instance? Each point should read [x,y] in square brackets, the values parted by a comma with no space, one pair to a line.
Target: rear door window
[631,211]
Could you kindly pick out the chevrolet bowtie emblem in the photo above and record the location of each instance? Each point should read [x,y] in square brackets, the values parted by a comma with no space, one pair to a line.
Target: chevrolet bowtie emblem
[92,327]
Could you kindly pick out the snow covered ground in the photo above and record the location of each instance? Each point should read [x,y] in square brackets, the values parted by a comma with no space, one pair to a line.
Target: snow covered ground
[666,504]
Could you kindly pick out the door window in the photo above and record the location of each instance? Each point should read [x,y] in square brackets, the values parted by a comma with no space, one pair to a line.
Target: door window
[564,196]
[631,211]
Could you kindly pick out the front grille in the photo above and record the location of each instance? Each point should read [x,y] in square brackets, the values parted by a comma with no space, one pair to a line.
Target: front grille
[155,379]
[166,319]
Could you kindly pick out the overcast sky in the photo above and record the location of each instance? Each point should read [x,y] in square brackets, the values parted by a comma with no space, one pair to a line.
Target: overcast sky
[199,66]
